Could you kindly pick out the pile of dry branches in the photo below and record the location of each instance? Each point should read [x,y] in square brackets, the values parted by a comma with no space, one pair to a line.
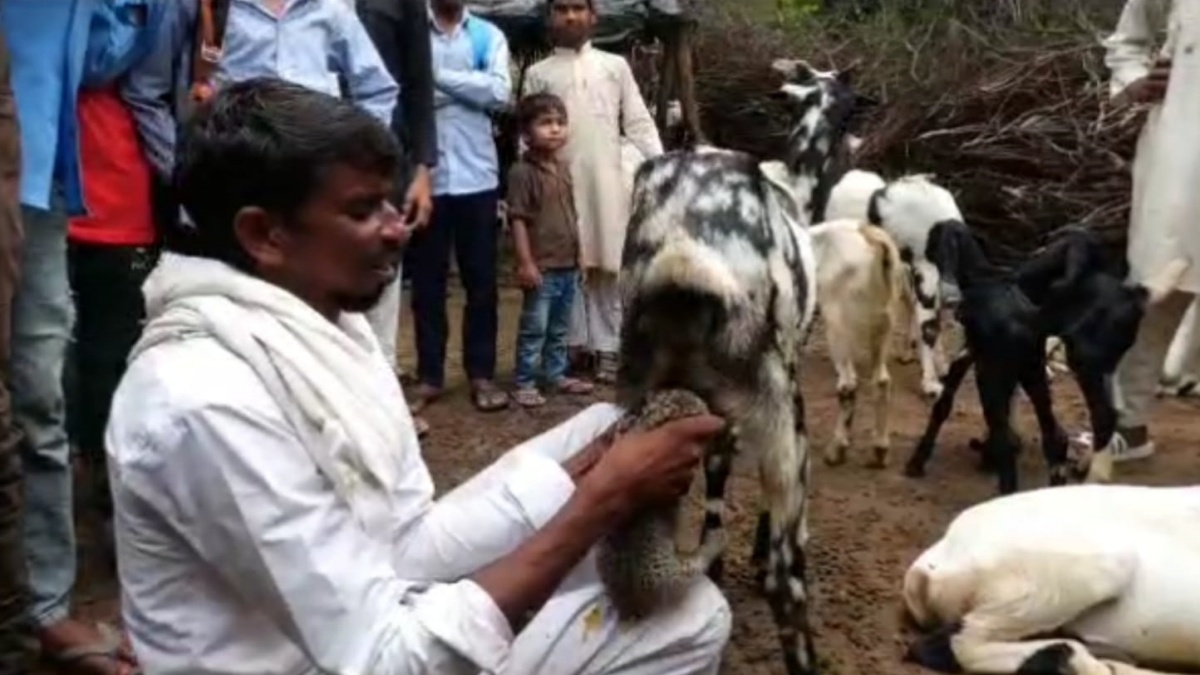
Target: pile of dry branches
[1030,145]
[1016,121]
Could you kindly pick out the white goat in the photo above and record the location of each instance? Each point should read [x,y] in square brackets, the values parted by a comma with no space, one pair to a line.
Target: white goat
[718,289]
[859,284]
[907,208]
[1083,579]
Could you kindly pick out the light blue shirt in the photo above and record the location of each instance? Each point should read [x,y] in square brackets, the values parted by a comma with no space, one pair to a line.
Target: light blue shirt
[48,41]
[311,44]
[462,98]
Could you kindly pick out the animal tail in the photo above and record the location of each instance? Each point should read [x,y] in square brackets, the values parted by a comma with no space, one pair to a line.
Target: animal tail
[890,270]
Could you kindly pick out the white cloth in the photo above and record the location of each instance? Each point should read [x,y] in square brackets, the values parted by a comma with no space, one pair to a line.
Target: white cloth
[1165,215]
[237,557]
[385,320]
[1165,220]
[603,104]
[351,430]
[596,314]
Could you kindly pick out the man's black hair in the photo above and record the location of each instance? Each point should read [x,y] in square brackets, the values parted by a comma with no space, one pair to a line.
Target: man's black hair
[591,5]
[265,142]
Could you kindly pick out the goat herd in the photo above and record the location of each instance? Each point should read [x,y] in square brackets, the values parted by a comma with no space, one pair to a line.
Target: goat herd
[727,262]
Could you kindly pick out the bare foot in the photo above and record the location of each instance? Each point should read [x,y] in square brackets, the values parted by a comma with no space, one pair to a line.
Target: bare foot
[87,649]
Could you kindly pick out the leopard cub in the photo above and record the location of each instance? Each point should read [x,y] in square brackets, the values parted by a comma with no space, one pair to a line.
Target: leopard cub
[640,564]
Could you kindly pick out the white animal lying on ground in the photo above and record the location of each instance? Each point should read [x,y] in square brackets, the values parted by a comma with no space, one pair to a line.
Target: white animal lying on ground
[1083,579]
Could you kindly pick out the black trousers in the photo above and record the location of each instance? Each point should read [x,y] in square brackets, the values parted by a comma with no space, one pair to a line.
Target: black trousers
[467,225]
[106,282]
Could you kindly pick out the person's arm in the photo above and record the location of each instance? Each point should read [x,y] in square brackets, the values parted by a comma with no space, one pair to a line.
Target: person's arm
[367,78]
[639,126]
[1130,48]
[491,514]
[150,88]
[235,484]
[489,89]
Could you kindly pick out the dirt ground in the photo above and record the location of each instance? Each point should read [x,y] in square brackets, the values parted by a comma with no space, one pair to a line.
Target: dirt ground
[866,525]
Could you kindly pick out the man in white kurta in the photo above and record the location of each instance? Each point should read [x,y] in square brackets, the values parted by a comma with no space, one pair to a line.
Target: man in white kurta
[1155,63]
[273,513]
[604,106]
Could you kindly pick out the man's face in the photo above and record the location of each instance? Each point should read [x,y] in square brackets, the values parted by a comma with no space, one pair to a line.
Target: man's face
[344,247]
[571,22]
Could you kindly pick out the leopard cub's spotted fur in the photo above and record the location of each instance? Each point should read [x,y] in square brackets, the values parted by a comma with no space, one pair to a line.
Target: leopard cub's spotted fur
[639,563]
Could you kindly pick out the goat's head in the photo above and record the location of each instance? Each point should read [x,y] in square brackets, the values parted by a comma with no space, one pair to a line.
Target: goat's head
[952,248]
[824,103]
[1098,314]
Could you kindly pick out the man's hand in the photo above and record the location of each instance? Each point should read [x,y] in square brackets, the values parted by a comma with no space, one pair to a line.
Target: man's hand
[1149,89]
[643,468]
[418,201]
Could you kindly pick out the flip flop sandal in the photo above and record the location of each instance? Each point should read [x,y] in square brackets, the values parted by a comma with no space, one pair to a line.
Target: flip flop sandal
[574,386]
[529,398]
[107,647]
[421,397]
[487,398]
[421,426]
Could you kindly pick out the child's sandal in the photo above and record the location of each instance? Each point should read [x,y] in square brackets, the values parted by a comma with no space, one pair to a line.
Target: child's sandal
[529,398]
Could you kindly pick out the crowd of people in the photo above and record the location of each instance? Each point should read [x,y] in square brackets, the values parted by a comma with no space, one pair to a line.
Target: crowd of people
[105,193]
[207,208]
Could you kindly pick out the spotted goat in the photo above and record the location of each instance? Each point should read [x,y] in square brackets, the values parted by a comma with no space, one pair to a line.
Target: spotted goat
[718,288]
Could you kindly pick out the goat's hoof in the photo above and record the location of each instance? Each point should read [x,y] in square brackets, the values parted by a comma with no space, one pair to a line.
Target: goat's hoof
[1101,467]
[914,470]
[835,456]
[931,390]
[881,455]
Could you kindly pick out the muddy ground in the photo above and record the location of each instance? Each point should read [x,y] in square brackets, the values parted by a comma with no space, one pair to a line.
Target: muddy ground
[867,525]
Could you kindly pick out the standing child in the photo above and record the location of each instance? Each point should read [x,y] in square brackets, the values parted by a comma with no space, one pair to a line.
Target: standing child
[541,211]
[602,96]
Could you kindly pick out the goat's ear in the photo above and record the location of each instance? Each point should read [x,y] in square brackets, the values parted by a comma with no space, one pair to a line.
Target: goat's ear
[846,75]
[793,70]
[1167,280]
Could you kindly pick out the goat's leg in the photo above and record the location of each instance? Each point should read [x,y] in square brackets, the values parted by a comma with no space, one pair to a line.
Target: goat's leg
[775,427]
[997,385]
[929,327]
[762,531]
[717,466]
[1054,438]
[1097,462]
[882,445]
[910,331]
[937,417]
[847,394]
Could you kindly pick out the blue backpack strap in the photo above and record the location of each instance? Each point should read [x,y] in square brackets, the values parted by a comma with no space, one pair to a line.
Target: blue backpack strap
[481,41]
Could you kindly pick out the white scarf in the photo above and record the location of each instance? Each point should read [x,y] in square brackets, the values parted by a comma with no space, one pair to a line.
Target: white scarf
[327,377]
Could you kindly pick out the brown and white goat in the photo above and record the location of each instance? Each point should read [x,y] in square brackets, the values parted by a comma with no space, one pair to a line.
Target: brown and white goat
[718,288]
[859,285]
[907,208]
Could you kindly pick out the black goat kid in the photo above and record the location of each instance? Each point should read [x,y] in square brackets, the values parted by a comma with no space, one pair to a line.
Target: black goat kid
[1065,290]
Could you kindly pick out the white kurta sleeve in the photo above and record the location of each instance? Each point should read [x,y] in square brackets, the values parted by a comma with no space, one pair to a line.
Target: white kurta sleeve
[491,514]
[238,487]
[1130,48]
[638,124]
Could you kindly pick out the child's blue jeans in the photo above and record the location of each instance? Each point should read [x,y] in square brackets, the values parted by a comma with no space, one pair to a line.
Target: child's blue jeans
[542,331]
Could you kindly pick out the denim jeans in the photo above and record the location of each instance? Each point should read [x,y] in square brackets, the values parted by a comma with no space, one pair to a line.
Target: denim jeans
[41,331]
[542,331]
